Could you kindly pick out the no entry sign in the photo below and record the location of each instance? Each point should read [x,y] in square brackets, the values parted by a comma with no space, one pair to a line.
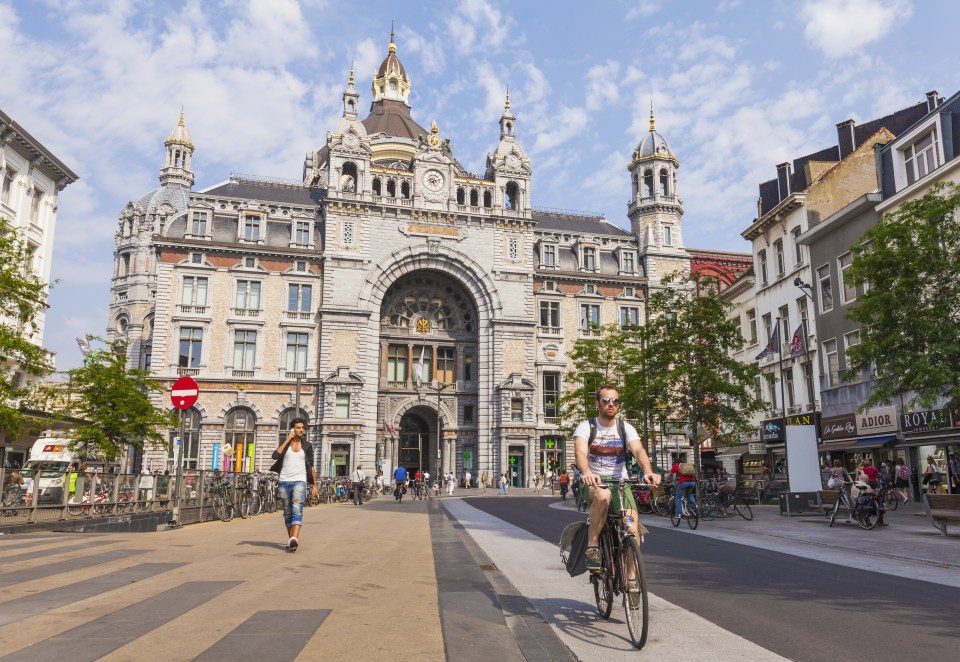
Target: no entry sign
[184,393]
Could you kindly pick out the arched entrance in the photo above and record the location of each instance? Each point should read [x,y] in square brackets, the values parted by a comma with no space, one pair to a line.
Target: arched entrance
[417,440]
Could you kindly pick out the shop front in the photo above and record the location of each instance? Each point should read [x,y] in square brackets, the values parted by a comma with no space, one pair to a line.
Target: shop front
[853,438]
[773,471]
[931,437]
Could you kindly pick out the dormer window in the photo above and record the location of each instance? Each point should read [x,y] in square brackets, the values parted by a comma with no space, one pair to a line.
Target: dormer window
[549,255]
[627,262]
[198,226]
[589,258]
[922,157]
[251,227]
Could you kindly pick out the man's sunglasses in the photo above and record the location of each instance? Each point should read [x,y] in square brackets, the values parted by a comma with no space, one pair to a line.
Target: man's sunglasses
[608,401]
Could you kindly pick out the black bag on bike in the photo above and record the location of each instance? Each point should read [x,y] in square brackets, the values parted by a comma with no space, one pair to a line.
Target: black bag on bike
[573,546]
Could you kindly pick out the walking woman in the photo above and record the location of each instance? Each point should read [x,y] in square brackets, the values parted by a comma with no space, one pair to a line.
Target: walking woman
[294,463]
[932,477]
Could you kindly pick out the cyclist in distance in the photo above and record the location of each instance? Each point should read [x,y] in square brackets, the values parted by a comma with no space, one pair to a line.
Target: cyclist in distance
[600,449]
[399,478]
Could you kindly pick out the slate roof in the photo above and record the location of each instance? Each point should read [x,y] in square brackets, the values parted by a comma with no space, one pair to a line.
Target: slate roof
[578,224]
[392,118]
[295,195]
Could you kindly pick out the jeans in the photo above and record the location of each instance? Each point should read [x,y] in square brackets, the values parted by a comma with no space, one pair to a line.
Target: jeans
[687,488]
[292,495]
[503,489]
[358,493]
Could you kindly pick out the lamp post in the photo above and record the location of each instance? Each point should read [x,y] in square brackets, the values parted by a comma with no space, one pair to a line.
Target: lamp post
[439,388]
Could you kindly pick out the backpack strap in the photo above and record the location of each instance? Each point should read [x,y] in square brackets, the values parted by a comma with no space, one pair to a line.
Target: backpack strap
[593,431]
[622,429]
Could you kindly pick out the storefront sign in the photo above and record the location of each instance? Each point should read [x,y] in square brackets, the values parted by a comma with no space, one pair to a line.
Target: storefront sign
[771,431]
[756,448]
[838,427]
[877,421]
[810,418]
[924,421]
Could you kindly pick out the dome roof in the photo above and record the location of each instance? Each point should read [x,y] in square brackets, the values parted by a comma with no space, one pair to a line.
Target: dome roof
[391,65]
[180,134]
[174,197]
[653,144]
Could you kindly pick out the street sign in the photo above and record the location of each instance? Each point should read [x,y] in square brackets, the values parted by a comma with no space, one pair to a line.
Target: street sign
[184,393]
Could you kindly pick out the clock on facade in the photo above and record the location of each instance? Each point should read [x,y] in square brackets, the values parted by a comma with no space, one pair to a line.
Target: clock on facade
[350,139]
[433,180]
[513,161]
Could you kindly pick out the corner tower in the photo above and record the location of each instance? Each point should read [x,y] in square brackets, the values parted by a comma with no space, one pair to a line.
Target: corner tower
[655,207]
[177,169]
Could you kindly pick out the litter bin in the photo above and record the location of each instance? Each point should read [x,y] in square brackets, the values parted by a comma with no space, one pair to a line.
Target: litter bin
[799,503]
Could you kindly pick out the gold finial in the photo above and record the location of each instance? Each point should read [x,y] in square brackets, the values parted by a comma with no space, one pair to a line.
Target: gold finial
[433,127]
[392,47]
[350,82]
[506,105]
[653,126]
[181,115]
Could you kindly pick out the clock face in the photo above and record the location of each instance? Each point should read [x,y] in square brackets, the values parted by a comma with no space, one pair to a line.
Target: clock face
[351,139]
[513,160]
[433,180]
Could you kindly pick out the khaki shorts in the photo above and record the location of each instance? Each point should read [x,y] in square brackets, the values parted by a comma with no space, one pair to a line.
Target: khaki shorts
[630,502]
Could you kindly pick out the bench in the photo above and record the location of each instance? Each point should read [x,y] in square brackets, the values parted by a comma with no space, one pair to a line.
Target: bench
[827,498]
[942,508]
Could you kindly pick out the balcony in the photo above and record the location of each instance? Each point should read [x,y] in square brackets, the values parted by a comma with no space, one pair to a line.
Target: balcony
[185,309]
[289,374]
[590,333]
[188,372]
[246,313]
[551,420]
[297,316]
[241,374]
[550,331]
[402,384]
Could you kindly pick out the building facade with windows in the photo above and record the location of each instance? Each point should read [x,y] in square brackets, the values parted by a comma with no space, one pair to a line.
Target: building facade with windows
[414,312]
[31,178]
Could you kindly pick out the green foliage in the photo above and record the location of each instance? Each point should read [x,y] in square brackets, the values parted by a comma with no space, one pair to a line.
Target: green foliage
[114,401]
[910,313]
[22,294]
[598,359]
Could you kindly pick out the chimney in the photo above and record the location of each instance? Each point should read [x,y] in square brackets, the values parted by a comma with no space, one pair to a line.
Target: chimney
[845,138]
[932,101]
[783,179]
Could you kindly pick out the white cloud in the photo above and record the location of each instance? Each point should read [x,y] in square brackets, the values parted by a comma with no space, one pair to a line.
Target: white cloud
[567,123]
[839,29]
[431,51]
[643,9]
[602,87]
[478,25]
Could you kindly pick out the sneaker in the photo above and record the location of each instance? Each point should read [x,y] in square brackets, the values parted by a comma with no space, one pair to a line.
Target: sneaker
[293,544]
[592,557]
[906,501]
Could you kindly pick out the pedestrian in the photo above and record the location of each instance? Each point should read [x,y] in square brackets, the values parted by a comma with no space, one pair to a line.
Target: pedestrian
[536,483]
[293,460]
[467,477]
[483,482]
[564,485]
[451,483]
[837,476]
[503,484]
[871,475]
[145,487]
[932,477]
[902,480]
[955,466]
[359,482]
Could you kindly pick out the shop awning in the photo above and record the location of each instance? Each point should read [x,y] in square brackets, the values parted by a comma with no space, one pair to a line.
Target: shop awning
[733,451]
[857,444]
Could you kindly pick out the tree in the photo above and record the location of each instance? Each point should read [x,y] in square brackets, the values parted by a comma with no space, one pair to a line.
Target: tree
[114,401]
[597,359]
[691,331]
[909,266]
[22,361]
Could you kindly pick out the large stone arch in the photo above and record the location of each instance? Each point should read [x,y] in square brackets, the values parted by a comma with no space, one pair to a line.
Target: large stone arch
[414,402]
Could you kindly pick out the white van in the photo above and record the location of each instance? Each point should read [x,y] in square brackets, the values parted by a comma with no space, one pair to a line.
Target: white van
[52,457]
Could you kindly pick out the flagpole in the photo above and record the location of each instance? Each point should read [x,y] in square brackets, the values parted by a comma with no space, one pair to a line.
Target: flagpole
[783,399]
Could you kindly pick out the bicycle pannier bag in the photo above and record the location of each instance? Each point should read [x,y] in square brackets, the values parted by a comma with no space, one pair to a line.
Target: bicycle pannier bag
[686,469]
[573,545]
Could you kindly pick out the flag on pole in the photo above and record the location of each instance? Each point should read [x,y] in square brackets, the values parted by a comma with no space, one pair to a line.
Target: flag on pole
[773,345]
[418,369]
[798,344]
[84,346]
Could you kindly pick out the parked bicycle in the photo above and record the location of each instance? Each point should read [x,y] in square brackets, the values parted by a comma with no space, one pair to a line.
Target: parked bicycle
[221,495]
[243,495]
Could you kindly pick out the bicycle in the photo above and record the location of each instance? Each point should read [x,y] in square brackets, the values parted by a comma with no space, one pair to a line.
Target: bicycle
[221,492]
[843,499]
[687,512]
[620,558]
[420,492]
[244,495]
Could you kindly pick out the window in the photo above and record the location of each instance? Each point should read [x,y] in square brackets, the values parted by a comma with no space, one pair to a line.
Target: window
[405,190]
[589,316]
[35,206]
[397,363]
[667,235]
[250,262]
[6,192]
[196,258]
[788,387]
[125,264]
[590,288]
[194,291]
[190,443]
[781,264]
[248,295]
[549,255]
[808,380]
[847,290]
[550,285]
[831,364]
[512,200]
[802,308]
[244,349]
[550,314]
[468,414]
[487,199]
[239,434]
[551,393]
[797,247]
[301,233]
[377,187]
[199,225]
[423,355]
[301,266]
[762,268]
[468,367]
[629,316]
[849,340]
[297,352]
[191,341]
[767,326]
[513,248]
[752,326]
[251,227]
[122,325]
[589,258]
[772,390]
[348,232]
[922,157]
[446,364]
[628,291]
[342,406]
[628,263]
[826,292]
[298,297]
[474,198]
[516,410]
[787,332]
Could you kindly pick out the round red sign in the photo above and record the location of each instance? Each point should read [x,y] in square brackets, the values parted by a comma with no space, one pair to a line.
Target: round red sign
[184,393]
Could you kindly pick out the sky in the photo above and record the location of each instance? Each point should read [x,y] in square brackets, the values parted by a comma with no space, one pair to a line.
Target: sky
[737,86]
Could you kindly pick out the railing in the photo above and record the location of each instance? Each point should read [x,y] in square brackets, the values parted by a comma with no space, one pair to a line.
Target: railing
[248,313]
[260,179]
[294,375]
[397,384]
[566,212]
[242,374]
[551,420]
[590,333]
[185,309]
[191,372]
[297,316]
[553,331]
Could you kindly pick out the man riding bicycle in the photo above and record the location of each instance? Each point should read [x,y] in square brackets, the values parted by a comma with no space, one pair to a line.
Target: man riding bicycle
[399,479]
[600,447]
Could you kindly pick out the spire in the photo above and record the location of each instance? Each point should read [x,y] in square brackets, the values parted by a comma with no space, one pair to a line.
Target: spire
[506,105]
[393,46]
[391,81]
[350,81]
[653,125]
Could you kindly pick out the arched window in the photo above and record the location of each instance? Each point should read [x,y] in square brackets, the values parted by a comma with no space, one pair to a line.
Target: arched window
[487,199]
[190,442]
[509,126]
[176,158]
[348,180]
[391,188]
[405,190]
[664,178]
[122,325]
[474,198]
[285,423]
[238,434]
[461,196]
[377,186]
[648,183]
[513,196]
[350,107]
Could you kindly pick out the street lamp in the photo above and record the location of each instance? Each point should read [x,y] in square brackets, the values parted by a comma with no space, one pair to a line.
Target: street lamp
[439,388]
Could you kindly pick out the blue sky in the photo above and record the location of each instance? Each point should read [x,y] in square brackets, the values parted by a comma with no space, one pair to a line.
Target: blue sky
[738,86]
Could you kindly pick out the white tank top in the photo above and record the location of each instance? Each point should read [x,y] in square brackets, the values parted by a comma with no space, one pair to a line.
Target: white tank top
[294,467]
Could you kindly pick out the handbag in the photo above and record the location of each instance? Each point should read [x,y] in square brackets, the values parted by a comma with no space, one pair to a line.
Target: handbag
[832,483]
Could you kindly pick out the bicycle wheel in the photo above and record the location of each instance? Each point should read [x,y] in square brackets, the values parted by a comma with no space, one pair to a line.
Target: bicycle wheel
[672,508]
[634,591]
[835,510]
[661,503]
[868,515]
[223,508]
[75,510]
[245,499]
[708,508]
[693,517]
[366,494]
[603,592]
[742,508]
[891,500]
